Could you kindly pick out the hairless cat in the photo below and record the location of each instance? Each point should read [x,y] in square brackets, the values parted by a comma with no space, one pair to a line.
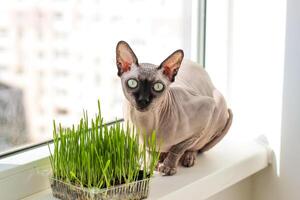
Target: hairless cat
[187,112]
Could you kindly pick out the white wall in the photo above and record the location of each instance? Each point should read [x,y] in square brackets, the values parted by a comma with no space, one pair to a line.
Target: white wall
[269,186]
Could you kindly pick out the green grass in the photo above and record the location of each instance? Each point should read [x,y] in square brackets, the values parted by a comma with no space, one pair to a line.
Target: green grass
[92,154]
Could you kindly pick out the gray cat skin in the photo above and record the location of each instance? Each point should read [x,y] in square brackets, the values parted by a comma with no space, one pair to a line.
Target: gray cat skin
[187,112]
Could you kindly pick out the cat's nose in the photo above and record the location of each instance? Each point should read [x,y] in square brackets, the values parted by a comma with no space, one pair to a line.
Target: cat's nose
[142,103]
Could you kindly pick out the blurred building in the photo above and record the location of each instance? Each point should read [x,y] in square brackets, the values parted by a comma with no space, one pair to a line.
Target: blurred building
[12,117]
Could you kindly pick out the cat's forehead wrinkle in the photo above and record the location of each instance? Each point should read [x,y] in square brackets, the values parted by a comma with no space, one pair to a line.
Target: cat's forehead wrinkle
[148,65]
[147,71]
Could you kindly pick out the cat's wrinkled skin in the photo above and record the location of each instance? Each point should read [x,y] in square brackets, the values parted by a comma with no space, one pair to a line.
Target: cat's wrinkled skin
[189,115]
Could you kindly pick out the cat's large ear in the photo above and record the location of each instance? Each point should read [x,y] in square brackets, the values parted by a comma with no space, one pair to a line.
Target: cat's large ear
[125,57]
[171,65]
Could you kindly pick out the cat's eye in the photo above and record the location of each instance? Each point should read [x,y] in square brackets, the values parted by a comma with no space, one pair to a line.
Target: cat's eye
[132,83]
[158,87]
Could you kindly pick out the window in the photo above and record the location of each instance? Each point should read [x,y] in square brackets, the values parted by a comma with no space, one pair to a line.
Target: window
[60,58]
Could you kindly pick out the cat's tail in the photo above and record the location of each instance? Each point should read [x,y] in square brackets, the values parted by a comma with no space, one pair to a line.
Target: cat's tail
[219,137]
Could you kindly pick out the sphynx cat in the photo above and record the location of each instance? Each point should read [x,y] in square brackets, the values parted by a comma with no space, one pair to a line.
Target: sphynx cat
[187,112]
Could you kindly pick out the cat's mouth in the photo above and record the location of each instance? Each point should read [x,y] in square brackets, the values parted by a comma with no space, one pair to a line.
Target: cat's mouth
[142,109]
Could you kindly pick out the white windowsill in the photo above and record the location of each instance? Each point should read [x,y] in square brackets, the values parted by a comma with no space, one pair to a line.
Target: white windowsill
[226,164]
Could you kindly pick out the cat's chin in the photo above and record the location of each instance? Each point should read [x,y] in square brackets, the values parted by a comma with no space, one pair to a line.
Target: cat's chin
[142,109]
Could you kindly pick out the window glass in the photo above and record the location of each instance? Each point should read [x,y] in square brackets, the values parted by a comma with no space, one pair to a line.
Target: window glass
[57,57]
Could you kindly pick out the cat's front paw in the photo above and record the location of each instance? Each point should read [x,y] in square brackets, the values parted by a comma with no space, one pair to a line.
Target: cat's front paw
[188,159]
[166,170]
[162,157]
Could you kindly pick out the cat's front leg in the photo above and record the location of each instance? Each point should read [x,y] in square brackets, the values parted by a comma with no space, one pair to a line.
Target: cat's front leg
[170,163]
